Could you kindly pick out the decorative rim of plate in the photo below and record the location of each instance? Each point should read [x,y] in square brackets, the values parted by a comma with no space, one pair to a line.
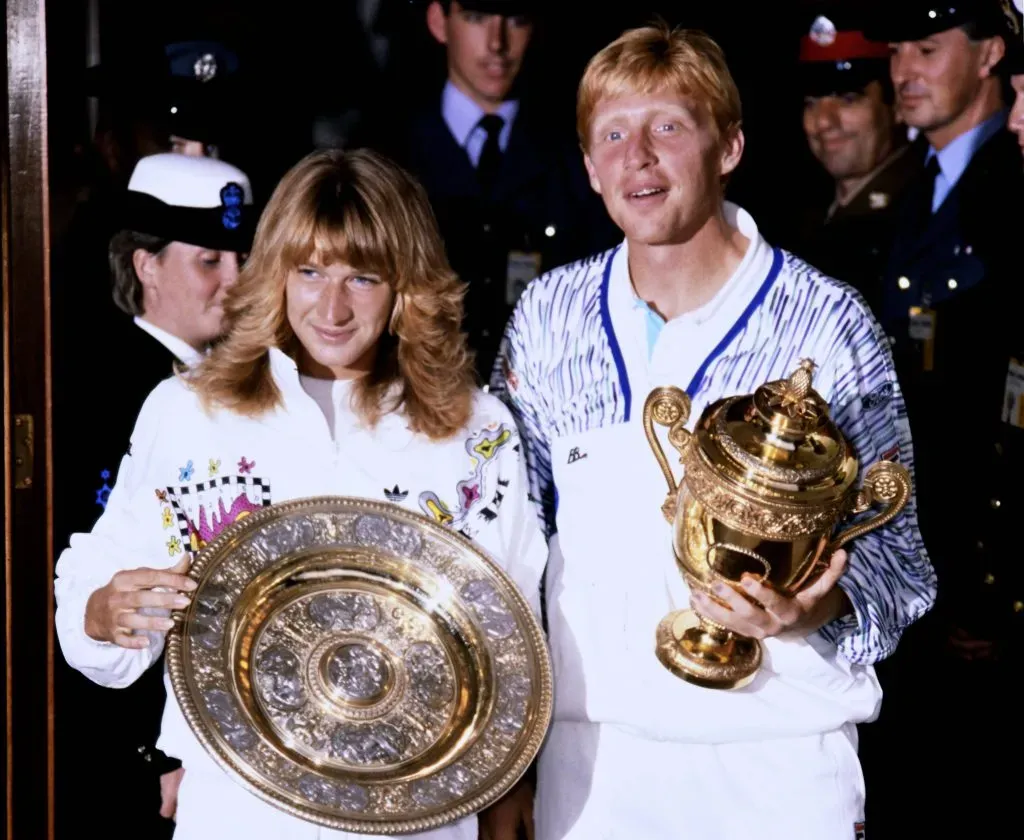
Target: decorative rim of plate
[533,635]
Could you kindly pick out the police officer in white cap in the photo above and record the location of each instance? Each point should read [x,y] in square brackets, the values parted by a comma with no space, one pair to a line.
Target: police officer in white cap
[186,221]
[186,225]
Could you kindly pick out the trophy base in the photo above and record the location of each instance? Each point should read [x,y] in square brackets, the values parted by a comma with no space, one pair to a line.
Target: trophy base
[693,653]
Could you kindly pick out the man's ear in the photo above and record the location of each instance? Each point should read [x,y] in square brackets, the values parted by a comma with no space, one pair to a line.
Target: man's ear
[732,151]
[437,22]
[591,173]
[992,52]
[144,262]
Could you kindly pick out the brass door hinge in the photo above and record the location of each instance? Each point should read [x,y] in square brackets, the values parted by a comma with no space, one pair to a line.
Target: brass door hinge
[24,451]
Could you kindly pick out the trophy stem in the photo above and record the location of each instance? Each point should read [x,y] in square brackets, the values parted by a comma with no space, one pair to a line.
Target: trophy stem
[705,653]
[715,631]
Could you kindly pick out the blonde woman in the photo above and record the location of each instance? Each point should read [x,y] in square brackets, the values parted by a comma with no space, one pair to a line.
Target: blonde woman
[343,371]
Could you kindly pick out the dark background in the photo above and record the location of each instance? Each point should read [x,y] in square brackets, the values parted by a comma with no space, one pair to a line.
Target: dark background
[304,57]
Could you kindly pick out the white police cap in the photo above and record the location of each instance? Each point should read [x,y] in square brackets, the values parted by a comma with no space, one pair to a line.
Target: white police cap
[198,200]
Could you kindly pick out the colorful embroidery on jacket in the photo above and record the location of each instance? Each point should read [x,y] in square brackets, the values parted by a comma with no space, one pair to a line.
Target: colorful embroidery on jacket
[482,491]
[201,511]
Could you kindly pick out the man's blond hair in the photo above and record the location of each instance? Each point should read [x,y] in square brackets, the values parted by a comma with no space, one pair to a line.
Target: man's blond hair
[656,59]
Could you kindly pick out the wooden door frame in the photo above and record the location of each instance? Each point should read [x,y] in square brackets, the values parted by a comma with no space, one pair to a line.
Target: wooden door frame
[28,509]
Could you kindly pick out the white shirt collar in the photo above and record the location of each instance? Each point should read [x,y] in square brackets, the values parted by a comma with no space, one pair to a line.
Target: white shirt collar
[184,351]
[392,431]
[730,299]
[684,342]
[463,115]
[957,155]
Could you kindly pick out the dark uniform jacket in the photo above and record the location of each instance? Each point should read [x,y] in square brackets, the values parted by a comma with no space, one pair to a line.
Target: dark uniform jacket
[106,737]
[962,266]
[852,244]
[541,204]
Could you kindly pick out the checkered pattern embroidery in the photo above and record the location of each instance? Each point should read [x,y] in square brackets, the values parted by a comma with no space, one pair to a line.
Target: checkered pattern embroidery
[175,494]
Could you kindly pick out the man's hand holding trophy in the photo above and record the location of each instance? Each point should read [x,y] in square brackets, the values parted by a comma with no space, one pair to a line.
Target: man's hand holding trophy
[768,479]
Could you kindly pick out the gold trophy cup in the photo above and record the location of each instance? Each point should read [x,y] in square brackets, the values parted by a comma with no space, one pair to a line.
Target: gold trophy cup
[768,478]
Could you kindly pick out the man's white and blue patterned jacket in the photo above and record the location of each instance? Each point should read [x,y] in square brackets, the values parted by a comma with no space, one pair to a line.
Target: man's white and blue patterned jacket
[579,357]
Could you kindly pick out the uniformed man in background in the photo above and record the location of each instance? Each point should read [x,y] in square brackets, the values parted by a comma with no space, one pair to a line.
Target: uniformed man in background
[852,131]
[508,188]
[185,224]
[951,287]
[952,307]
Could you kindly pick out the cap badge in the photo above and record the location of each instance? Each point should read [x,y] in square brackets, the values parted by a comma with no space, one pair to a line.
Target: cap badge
[823,31]
[205,67]
[231,198]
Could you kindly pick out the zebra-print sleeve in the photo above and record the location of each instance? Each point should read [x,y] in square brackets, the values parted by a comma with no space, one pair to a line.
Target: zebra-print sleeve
[889,578]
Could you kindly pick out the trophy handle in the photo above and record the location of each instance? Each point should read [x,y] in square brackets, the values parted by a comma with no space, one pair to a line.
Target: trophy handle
[886,484]
[667,406]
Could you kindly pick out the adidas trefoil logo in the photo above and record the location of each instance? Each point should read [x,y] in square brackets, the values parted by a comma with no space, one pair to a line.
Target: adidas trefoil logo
[396,495]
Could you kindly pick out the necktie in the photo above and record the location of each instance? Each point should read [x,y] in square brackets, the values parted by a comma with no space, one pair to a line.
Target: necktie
[490,157]
[927,195]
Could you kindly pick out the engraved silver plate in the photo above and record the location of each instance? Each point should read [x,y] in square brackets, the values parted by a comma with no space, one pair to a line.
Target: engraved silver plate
[360,666]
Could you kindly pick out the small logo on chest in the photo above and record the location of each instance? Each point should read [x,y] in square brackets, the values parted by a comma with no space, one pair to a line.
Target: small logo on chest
[575,455]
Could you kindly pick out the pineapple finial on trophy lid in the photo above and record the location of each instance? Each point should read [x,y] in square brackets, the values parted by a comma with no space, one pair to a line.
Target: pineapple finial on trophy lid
[792,406]
[800,380]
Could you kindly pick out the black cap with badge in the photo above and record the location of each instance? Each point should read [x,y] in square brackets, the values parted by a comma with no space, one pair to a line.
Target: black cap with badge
[189,88]
[199,89]
[914,20]
[197,200]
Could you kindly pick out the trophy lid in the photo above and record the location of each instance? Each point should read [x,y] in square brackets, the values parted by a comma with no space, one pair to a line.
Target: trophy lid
[779,440]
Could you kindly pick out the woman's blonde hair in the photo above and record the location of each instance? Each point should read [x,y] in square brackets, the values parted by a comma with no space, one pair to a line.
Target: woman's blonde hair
[654,59]
[360,209]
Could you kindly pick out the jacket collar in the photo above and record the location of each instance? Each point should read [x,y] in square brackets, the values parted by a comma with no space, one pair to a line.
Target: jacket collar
[392,431]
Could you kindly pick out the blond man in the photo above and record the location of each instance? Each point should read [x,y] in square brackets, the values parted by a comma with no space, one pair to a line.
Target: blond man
[693,297]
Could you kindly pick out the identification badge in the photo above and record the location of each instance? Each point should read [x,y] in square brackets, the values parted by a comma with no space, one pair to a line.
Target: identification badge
[1013,399]
[523,266]
[922,328]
